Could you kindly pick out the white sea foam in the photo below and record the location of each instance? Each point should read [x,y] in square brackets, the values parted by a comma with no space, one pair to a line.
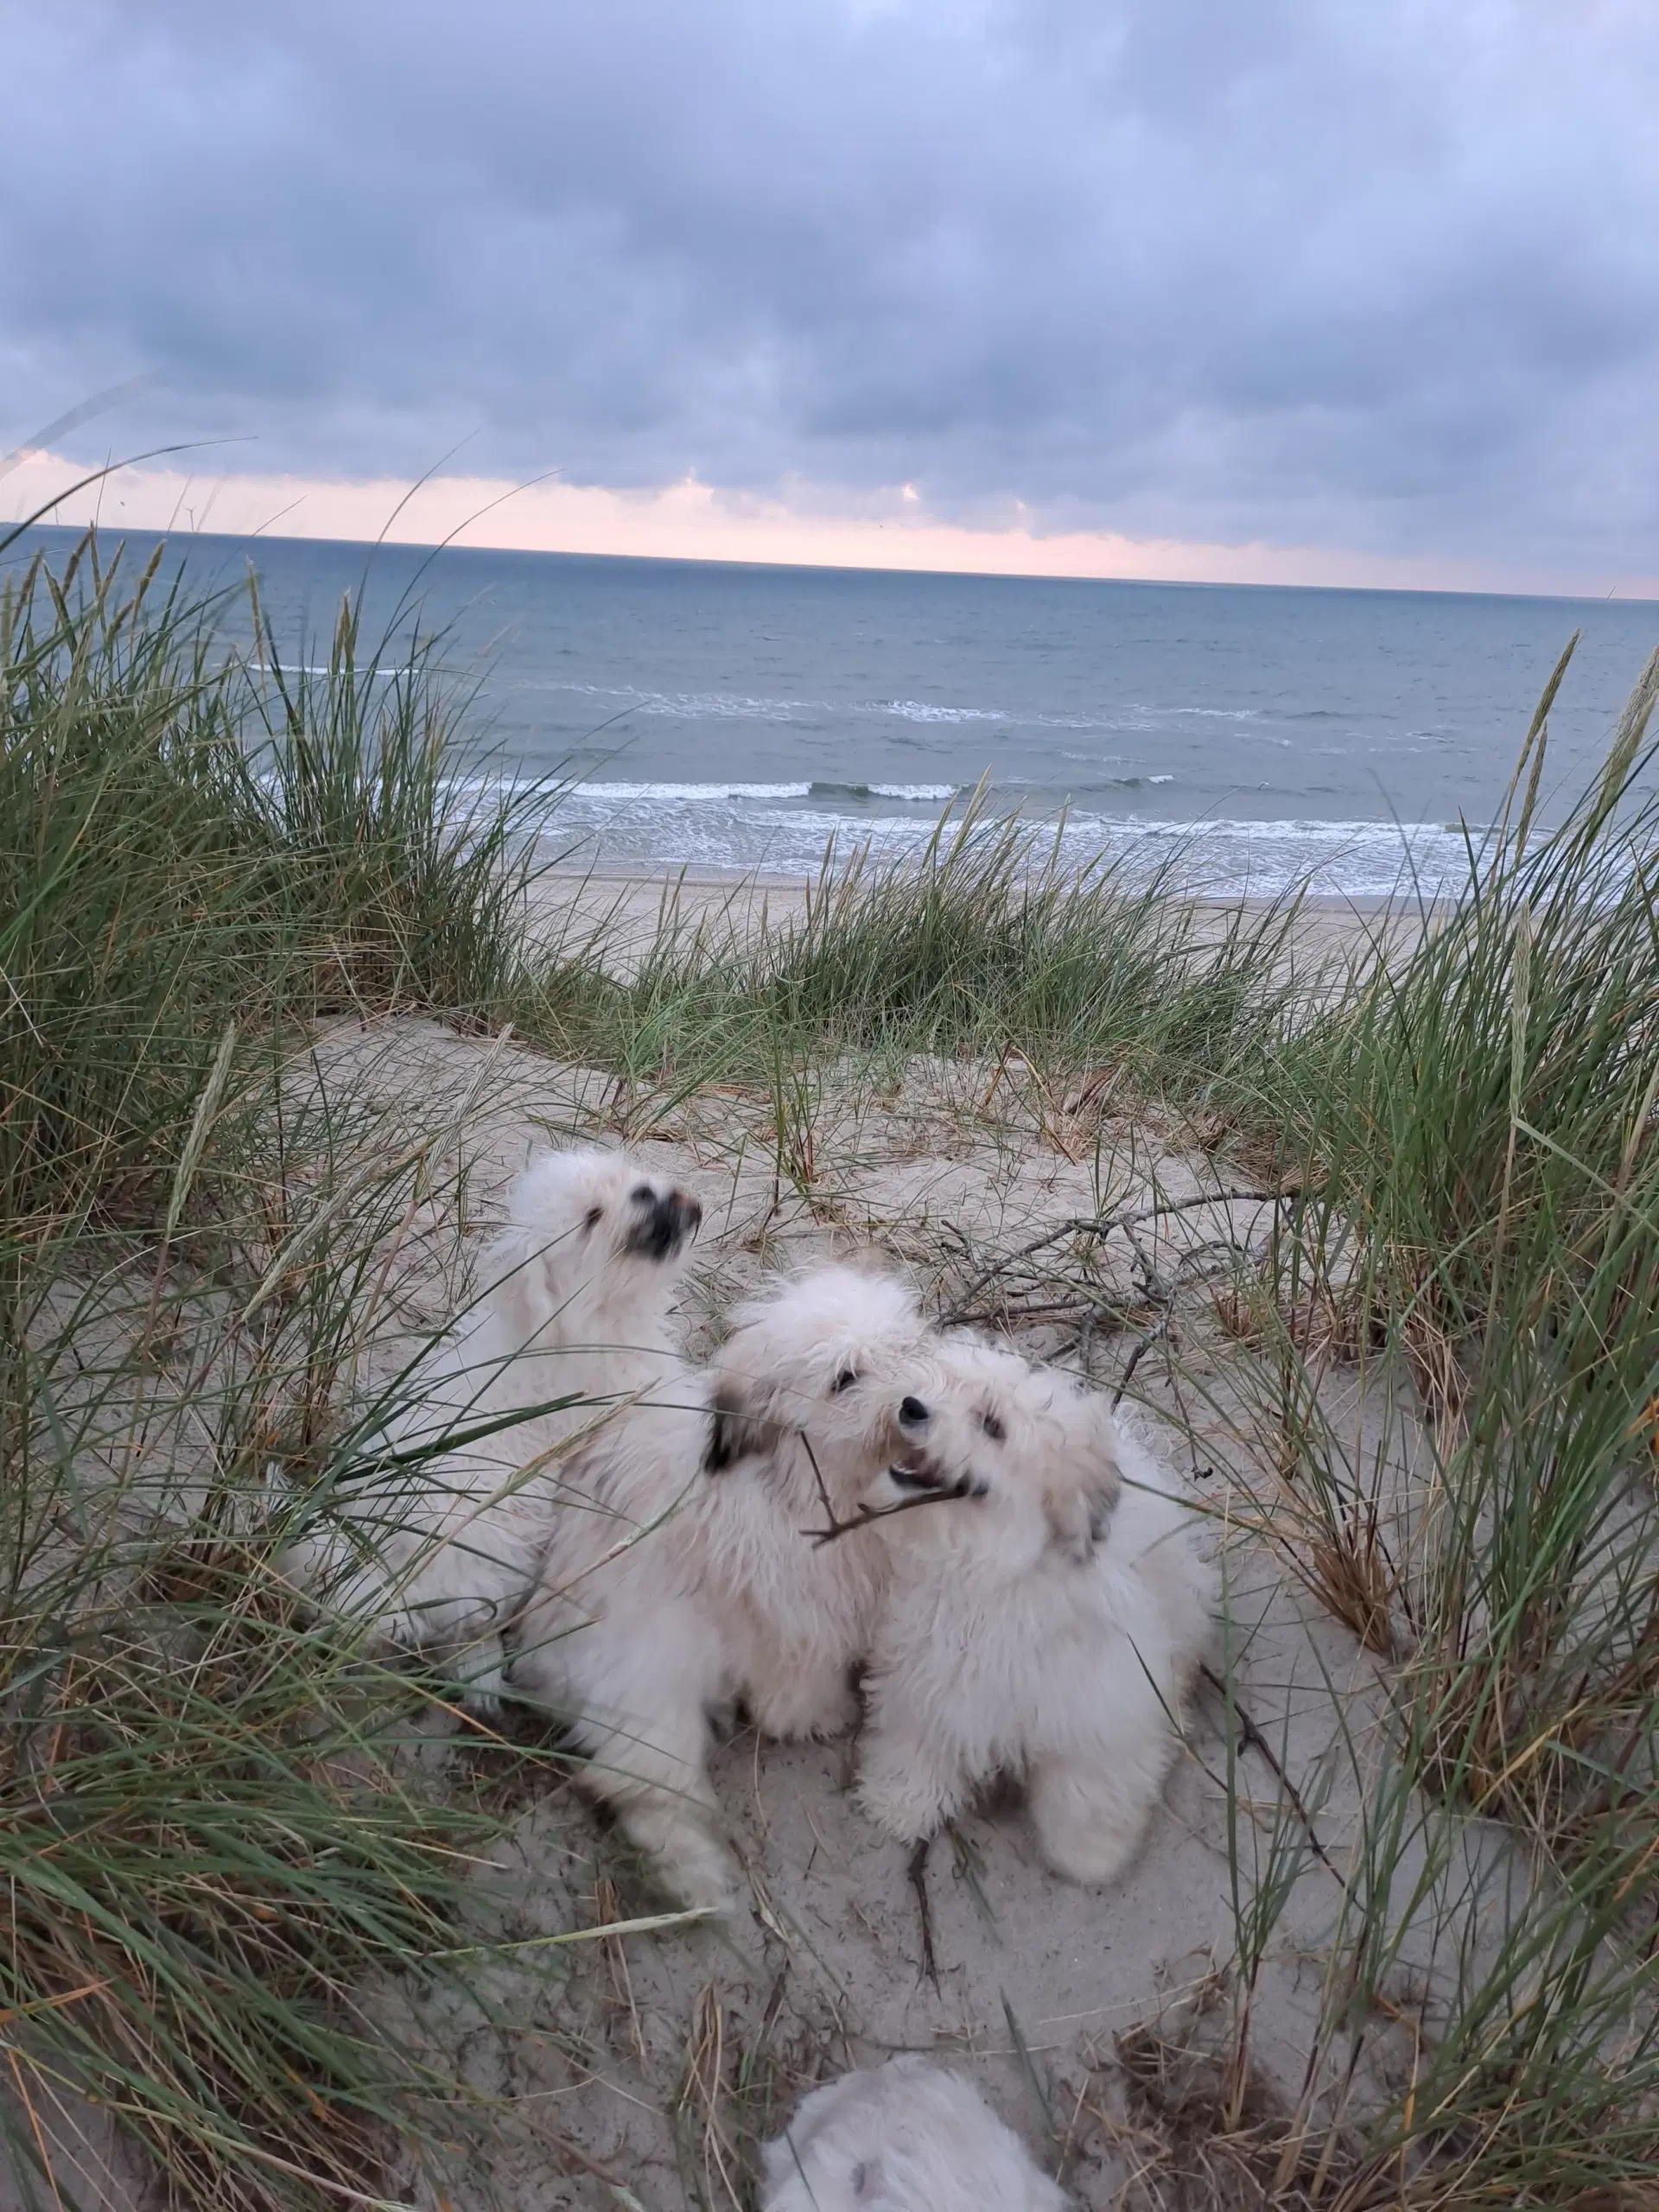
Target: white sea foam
[604,794]
[1207,714]
[928,794]
[742,706]
[765,825]
[922,710]
[700,706]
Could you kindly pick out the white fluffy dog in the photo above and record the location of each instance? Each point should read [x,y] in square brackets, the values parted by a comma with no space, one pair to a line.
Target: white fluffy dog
[904,2137]
[1047,1610]
[693,1578]
[441,1544]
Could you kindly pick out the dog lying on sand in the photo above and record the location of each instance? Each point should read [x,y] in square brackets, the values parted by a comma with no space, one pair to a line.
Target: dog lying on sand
[1046,1613]
[904,2136]
[443,1543]
[684,1576]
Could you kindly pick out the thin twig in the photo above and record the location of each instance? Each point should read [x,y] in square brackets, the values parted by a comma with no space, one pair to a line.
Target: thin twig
[1143,1346]
[867,1514]
[916,1875]
[1254,1739]
[1103,1225]
[817,1477]
[1026,1312]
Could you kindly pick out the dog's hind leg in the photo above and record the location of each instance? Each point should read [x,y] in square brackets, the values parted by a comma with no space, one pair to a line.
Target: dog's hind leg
[1090,1822]
[479,1671]
[421,1586]
[804,1695]
[1092,1790]
[637,1696]
[677,1830]
[453,1605]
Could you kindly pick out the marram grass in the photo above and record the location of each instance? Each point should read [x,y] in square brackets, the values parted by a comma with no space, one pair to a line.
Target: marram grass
[191,839]
[213,1847]
[1474,1249]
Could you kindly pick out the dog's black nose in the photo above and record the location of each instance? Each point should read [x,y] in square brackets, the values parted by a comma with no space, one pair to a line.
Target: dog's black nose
[913,1413]
[666,1225]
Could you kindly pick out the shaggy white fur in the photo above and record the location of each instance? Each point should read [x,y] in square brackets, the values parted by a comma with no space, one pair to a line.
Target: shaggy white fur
[1048,1609]
[443,1538]
[904,2137]
[693,1580]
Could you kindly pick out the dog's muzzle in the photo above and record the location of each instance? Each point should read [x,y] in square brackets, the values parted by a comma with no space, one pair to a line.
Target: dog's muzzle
[665,1224]
[918,1474]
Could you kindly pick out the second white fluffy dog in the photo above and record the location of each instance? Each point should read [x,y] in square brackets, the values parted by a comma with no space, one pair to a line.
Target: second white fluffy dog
[684,1574]
[1047,1610]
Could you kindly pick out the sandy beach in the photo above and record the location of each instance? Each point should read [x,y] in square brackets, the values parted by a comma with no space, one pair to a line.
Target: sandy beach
[627,908]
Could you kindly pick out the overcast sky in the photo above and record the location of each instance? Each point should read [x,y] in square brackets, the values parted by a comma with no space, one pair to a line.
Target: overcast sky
[1380,276]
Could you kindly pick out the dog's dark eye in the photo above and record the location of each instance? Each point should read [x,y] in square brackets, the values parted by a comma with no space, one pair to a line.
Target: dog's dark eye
[845,1381]
[594,1214]
[642,1194]
[993,1428]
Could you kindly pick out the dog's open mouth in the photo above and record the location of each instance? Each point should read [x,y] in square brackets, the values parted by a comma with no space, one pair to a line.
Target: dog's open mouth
[919,1476]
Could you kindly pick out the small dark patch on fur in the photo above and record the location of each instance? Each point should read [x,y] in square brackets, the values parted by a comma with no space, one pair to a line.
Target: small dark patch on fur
[1080,1523]
[735,1433]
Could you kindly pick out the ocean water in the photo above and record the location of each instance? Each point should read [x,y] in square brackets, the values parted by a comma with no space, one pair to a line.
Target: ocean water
[733,716]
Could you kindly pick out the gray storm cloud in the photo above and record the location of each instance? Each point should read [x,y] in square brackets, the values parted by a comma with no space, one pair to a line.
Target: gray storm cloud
[1385,278]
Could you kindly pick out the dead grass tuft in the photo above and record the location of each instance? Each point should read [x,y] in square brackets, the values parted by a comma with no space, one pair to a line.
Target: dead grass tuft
[1205,2133]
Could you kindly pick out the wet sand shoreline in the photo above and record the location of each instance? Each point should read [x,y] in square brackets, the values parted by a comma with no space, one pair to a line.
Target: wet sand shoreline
[627,906]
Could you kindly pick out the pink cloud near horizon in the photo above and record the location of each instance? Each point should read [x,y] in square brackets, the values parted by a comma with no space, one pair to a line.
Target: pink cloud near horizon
[690,520]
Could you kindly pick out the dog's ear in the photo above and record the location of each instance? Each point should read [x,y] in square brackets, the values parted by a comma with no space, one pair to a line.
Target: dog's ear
[1082,1502]
[1080,1514]
[736,1429]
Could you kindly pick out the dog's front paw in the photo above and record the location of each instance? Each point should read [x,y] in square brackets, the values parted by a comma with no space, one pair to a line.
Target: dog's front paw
[686,1856]
[896,1805]
[704,1877]
[1089,1825]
